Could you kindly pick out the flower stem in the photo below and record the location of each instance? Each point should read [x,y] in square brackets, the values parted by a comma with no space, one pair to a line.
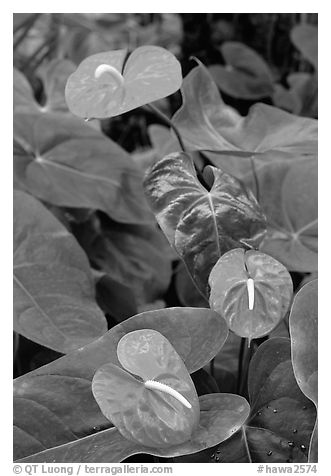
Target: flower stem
[168,121]
[256,181]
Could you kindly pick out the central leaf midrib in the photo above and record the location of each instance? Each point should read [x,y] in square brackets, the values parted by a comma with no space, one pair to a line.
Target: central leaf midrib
[37,306]
[73,171]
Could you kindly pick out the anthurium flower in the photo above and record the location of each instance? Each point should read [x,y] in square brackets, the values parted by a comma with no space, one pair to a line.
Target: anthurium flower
[151,398]
[111,83]
[251,290]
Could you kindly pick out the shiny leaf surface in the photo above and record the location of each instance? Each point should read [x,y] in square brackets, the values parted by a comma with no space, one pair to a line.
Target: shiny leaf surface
[61,390]
[201,225]
[282,419]
[256,315]
[54,301]
[150,73]
[304,338]
[143,415]
[283,147]
[66,163]
[221,415]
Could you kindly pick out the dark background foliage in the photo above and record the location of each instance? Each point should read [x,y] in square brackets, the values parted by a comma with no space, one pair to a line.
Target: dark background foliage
[134,269]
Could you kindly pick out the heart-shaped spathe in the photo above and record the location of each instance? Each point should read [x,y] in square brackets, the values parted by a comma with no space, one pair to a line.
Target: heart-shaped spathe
[106,85]
[152,399]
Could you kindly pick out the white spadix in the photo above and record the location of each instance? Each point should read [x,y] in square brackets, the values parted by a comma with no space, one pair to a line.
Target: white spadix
[106,69]
[162,387]
[250,292]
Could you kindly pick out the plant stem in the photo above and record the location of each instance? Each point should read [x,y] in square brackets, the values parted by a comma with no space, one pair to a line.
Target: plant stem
[30,22]
[256,181]
[35,54]
[248,352]
[169,123]
[26,22]
[212,367]
[240,361]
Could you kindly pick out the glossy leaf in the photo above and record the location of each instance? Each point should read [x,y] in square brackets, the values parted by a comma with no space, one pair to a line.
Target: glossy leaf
[61,390]
[280,144]
[290,208]
[313,445]
[304,338]
[256,312]
[207,123]
[221,416]
[245,76]
[305,38]
[53,287]
[144,415]
[201,225]
[150,73]
[281,421]
[66,163]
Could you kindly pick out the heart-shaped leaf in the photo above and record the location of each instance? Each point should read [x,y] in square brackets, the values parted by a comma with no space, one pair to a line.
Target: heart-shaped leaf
[150,73]
[201,225]
[304,337]
[139,410]
[206,123]
[61,390]
[281,421]
[277,142]
[221,415]
[66,163]
[291,208]
[251,290]
[246,74]
[53,286]
[305,38]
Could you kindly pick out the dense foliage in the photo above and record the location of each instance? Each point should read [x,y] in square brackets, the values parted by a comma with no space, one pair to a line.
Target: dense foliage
[165,254]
